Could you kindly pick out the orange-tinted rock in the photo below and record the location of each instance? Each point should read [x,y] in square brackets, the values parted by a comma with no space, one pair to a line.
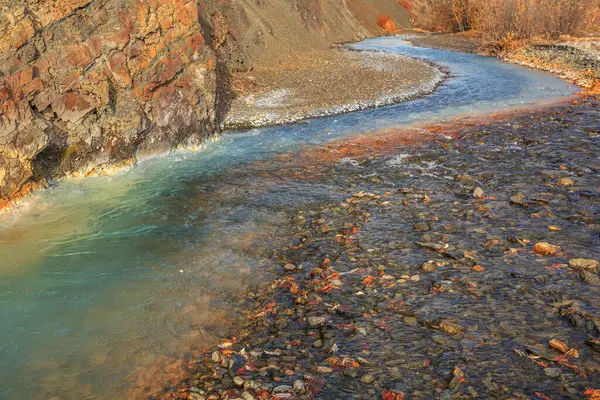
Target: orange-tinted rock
[95,43]
[21,33]
[546,249]
[188,14]
[117,64]
[33,87]
[69,81]
[79,56]
[195,42]
[165,16]
[72,107]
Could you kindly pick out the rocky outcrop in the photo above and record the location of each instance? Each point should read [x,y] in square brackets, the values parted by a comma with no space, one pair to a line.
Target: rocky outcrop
[91,83]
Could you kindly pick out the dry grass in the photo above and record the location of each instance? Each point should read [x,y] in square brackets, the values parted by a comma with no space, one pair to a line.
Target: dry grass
[504,22]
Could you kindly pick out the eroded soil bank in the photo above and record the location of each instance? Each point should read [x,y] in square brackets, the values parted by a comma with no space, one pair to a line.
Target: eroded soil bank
[454,262]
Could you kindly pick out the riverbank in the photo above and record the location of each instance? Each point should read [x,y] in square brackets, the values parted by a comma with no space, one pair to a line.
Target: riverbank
[88,85]
[576,60]
[318,84]
[459,263]
[311,84]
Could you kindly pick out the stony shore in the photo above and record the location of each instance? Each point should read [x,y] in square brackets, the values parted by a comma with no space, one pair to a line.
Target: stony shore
[451,42]
[325,83]
[462,265]
[577,61]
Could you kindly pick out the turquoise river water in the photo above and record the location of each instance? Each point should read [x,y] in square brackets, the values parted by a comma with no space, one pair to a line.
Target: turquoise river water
[102,279]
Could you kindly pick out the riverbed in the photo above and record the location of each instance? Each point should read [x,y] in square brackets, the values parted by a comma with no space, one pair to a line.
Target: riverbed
[108,282]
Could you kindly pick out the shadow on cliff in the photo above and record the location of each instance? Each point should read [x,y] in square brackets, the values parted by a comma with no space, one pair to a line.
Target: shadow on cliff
[224,91]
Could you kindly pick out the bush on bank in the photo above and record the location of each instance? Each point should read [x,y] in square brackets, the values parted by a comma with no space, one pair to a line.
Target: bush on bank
[501,22]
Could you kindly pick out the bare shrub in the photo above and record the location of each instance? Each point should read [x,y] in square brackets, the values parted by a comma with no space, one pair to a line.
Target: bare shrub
[504,21]
[445,15]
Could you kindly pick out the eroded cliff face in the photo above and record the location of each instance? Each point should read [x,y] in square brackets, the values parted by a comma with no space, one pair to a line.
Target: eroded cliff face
[86,84]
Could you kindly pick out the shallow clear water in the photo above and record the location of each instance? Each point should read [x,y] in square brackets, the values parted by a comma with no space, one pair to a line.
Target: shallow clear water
[103,279]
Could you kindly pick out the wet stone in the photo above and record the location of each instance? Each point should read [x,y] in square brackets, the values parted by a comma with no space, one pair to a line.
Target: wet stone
[315,322]
[552,372]
[451,327]
[566,182]
[579,264]
[299,387]
[422,227]
[289,268]
[429,266]
[238,381]
[368,379]
[589,278]
[431,245]
[546,249]
[247,396]
[518,199]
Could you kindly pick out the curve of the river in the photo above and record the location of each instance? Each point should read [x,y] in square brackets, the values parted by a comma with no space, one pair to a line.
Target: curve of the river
[103,277]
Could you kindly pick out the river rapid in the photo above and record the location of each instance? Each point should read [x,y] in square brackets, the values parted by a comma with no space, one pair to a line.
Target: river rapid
[107,281]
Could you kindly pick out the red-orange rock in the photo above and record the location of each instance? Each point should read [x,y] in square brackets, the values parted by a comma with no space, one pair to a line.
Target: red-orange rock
[117,64]
[79,56]
[33,87]
[72,107]
[546,249]
[188,14]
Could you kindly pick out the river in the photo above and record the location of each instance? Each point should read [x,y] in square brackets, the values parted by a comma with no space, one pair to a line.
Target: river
[104,278]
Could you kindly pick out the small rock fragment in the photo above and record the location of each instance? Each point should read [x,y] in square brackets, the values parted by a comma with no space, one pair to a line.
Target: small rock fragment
[299,387]
[579,264]
[368,379]
[519,199]
[589,277]
[238,381]
[289,268]
[422,227]
[478,193]
[552,372]
[429,266]
[431,246]
[558,345]
[566,182]
[546,249]
[451,328]
[314,322]
[247,396]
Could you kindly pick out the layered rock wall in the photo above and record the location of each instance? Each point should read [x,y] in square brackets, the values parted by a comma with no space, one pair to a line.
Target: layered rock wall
[91,83]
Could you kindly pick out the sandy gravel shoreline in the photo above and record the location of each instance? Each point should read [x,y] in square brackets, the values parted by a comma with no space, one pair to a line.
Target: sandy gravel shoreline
[576,61]
[328,83]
